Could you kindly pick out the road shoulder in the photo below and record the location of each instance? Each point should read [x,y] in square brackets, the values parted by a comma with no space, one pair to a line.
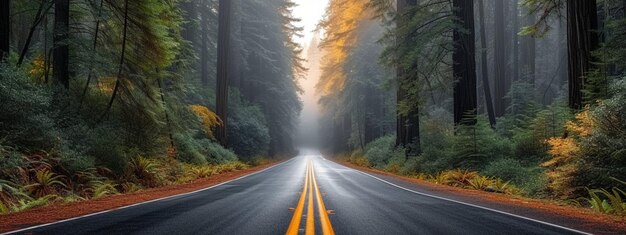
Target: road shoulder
[543,210]
[58,212]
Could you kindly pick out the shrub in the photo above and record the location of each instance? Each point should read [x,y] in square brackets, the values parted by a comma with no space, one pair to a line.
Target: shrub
[475,146]
[45,183]
[248,134]
[380,151]
[24,121]
[216,154]
[188,150]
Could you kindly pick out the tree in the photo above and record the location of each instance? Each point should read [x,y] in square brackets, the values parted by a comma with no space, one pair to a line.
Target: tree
[61,51]
[529,53]
[485,74]
[5,27]
[499,60]
[407,125]
[464,63]
[582,38]
[221,99]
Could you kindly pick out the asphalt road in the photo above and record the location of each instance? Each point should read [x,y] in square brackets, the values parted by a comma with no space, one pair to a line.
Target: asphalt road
[267,202]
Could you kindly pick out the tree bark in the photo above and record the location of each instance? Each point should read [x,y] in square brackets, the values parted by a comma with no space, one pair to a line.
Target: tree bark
[223,47]
[5,28]
[61,50]
[204,47]
[529,51]
[407,125]
[582,26]
[516,29]
[499,60]
[464,64]
[485,73]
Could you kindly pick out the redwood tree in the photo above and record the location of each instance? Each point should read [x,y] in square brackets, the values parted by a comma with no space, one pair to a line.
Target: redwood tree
[464,62]
[221,99]
[407,125]
[60,41]
[582,38]
[5,27]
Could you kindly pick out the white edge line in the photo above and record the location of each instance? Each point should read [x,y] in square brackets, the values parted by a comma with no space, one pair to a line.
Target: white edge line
[141,203]
[471,205]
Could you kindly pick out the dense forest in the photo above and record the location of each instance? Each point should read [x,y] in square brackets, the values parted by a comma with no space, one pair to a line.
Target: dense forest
[524,97]
[105,96]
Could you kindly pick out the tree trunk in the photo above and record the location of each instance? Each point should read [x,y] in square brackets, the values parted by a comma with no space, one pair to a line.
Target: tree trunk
[61,49]
[582,37]
[5,28]
[223,47]
[499,60]
[204,47]
[516,29]
[407,125]
[464,64]
[485,73]
[39,16]
[529,51]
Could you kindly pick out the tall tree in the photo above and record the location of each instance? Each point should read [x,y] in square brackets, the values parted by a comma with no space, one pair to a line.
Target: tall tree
[515,36]
[464,63]
[407,125]
[499,59]
[582,38]
[483,61]
[5,27]
[529,53]
[221,99]
[61,51]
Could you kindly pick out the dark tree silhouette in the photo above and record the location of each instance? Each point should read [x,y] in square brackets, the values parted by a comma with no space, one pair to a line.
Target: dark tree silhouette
[5,27]
[61,49]
[221,99]
[582,37]
[464,63]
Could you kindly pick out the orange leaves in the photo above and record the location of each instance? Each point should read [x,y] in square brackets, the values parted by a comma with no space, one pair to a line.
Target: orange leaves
[209,119]
[566,152]
[341,25]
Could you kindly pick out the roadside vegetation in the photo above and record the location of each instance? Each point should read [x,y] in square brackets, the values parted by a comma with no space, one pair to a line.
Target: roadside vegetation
[522,121]
[106,97]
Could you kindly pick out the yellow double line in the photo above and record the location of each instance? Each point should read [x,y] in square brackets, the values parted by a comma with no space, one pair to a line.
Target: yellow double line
[310,185]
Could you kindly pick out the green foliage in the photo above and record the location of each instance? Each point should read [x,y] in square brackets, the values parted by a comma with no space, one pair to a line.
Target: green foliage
[45,183]
[474,146]
[603,153]
[380,151]
[248,134]
[25,120]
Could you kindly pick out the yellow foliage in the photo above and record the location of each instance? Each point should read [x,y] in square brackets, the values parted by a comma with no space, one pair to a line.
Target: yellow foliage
[583,124]
[566,151]
[38,67]
[209,119]
[341,28]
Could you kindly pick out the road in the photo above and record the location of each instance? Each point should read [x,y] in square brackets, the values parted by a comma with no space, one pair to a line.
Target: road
[272,202]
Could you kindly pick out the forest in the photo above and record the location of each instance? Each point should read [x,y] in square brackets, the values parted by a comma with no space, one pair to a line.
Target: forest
[108,97]
[100,97]
[519,97]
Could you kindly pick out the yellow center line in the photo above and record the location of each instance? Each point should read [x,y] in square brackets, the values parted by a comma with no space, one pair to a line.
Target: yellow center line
[327,227]
[297,214]
[310,216]
[310,185]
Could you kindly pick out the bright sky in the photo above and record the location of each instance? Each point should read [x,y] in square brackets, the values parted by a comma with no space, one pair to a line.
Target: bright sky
[310,12]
